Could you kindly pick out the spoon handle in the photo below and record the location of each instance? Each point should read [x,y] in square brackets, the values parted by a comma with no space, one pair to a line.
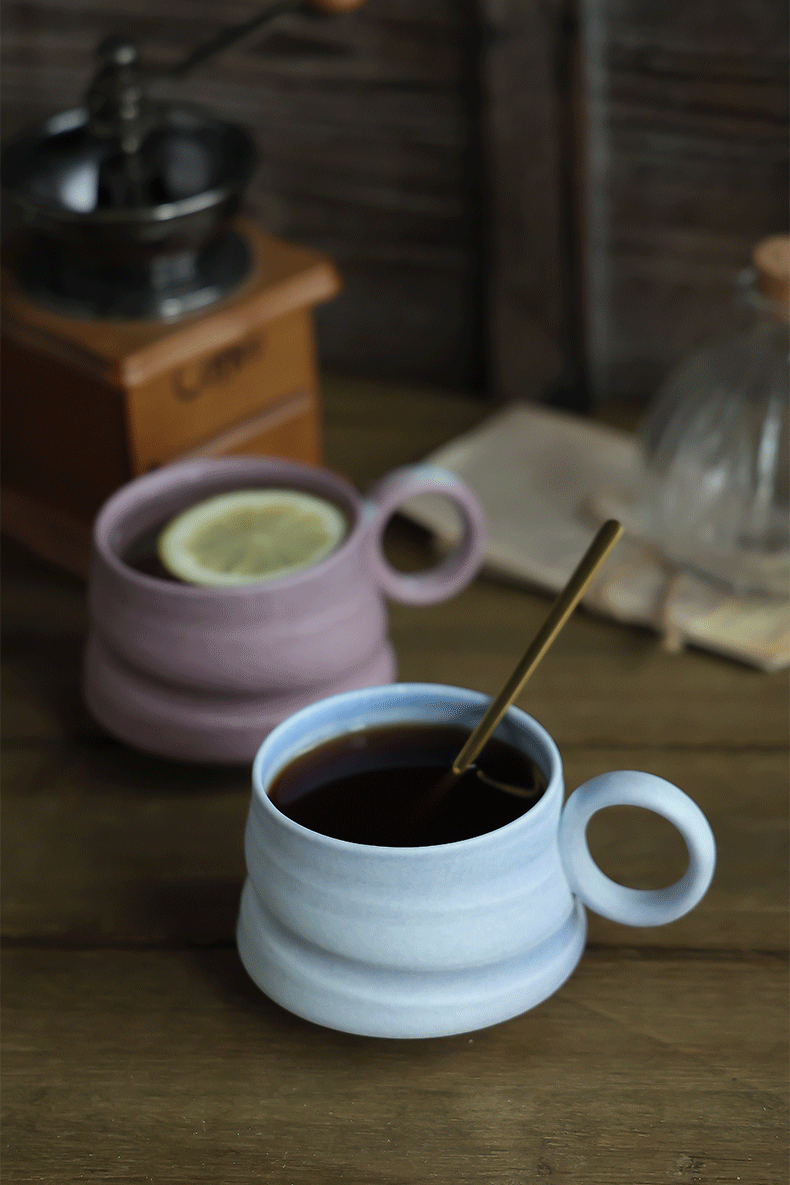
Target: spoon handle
[559,613]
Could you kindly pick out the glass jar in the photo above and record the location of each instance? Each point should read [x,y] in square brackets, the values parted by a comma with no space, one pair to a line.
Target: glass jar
[715,445]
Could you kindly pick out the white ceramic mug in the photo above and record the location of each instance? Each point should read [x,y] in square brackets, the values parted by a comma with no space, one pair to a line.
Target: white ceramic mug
[429,941]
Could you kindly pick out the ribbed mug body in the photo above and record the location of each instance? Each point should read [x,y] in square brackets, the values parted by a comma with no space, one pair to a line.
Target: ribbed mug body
[407,942]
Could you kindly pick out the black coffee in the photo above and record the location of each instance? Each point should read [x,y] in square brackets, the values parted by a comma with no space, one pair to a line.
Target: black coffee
[374,787]
[141,554]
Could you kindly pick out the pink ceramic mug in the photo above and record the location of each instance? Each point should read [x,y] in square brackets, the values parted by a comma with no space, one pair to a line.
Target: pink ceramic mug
[205,673]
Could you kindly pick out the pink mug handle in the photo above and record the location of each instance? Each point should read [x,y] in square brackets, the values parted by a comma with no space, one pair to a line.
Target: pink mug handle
[462,564]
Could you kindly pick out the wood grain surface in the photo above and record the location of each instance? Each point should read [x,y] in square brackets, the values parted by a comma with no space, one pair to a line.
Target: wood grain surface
[487,174]
[135,1048]
[365,128]
[685,169]
[527,145]
[169,1065]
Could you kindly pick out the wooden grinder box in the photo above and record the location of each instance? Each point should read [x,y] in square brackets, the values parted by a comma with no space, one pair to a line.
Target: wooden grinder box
[88,405]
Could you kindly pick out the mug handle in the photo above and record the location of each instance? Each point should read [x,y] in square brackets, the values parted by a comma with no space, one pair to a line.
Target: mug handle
[455,571]
[635,907]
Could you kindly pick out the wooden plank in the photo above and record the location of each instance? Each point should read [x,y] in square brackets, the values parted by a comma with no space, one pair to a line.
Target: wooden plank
[525,203]
[692,699]
[604,684]
[151,852]
[147,851]
[365,139]
[401,424]
[686,169]
[171,1066]
[44,611]
[388,40]
[609,694]
[136,1048]
[743,794]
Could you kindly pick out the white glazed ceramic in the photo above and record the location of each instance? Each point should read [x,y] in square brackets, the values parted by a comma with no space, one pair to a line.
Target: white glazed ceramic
[424,942]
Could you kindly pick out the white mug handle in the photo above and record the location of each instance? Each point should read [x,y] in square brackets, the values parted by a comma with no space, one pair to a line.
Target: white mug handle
[635,907]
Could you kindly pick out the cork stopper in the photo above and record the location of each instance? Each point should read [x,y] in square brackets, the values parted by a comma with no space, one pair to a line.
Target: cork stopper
[771,259]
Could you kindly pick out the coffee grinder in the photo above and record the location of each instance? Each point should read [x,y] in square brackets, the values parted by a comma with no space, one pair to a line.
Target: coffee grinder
[144,320]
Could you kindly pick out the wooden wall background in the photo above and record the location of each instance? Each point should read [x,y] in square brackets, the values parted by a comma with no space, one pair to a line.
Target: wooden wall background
[686,167]
[365,127]
[539,198]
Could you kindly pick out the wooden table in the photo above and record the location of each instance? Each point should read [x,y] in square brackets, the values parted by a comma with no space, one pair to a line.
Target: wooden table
[136,1048]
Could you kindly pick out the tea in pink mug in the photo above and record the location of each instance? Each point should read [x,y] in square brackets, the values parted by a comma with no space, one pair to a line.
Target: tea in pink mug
[204,673]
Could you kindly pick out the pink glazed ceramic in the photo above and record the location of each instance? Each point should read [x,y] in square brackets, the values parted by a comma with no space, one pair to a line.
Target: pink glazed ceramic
[204,673]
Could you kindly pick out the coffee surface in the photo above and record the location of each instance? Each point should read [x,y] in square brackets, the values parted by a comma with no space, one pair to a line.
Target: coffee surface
[374,787]
[141,554]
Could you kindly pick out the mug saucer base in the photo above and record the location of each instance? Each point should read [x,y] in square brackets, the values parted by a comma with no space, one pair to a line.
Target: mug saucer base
[170,721]
[376,1002]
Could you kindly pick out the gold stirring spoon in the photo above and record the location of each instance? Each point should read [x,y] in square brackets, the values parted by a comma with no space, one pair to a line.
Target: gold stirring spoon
[559,613]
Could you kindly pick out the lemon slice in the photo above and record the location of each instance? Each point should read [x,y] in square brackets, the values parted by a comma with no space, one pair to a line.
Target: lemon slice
[250,535]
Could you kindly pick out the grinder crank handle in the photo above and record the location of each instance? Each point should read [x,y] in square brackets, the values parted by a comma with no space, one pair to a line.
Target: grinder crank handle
[238,32]
[117,97]
[335,7]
